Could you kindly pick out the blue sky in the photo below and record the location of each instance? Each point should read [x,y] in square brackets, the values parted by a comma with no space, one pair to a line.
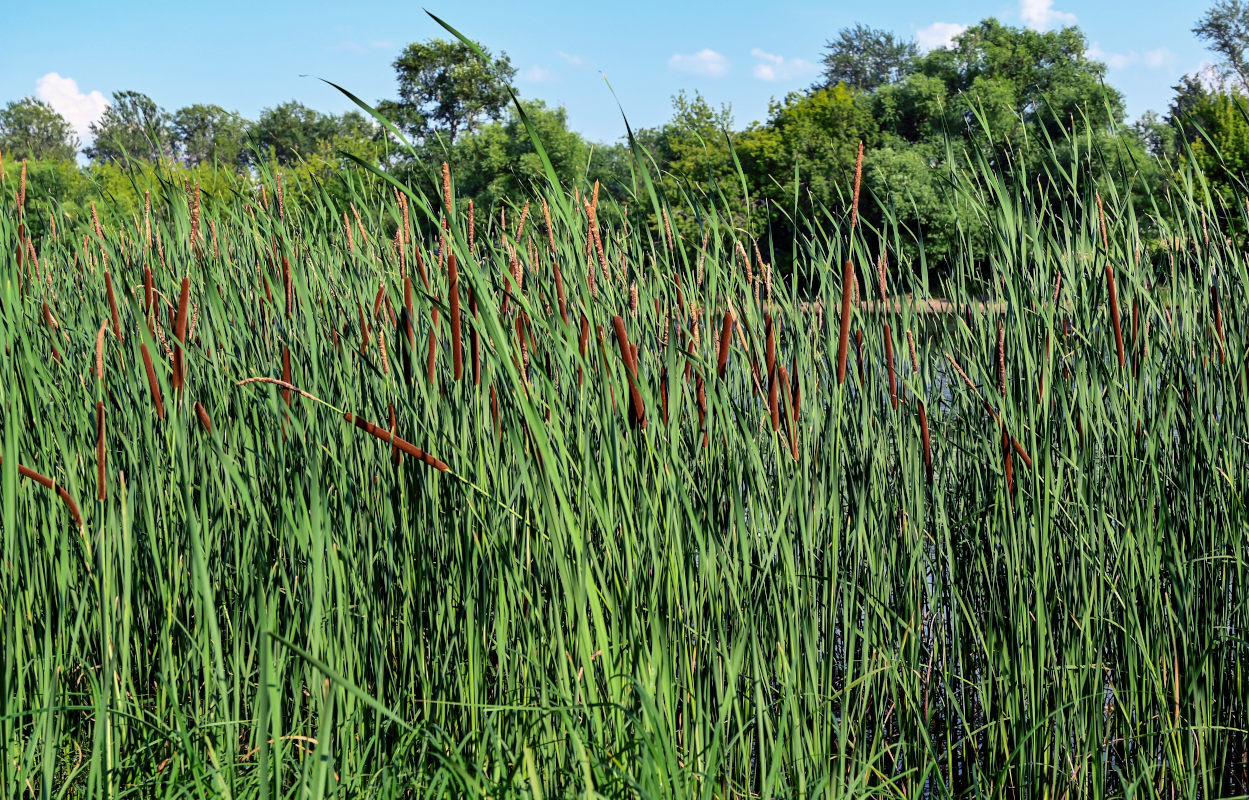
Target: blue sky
[250,55]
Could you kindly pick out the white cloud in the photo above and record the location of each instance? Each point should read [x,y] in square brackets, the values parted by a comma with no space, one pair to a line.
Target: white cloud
[79,109]
[705,62]
[1158,57]
[1112,60]
[779,68]
[938,35]
[1153,59]
[536,74]
[576,61]
[1041,15]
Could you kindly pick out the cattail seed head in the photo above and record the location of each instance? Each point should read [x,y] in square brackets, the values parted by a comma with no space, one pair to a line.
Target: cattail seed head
[99,351]
[446,187]
[847,287]
[204,419]
[195,218]
[520,227]
[101,454]
[726,338]
[881,267]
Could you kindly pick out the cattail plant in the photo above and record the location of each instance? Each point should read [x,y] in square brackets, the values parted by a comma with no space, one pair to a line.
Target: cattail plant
[773,375]
[629,356]
[101,453]
[726,339]
[457,352]
[179,329]
[847,286]
[46,482]
[204,419]
[112,304]
[152,384]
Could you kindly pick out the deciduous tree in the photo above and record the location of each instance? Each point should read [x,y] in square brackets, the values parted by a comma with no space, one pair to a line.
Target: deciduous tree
[32,129]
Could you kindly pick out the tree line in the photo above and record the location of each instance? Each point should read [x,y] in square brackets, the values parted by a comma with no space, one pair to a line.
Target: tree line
[1010,97]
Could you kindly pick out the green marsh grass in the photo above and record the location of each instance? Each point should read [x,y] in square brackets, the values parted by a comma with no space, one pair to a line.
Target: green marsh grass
[326,568]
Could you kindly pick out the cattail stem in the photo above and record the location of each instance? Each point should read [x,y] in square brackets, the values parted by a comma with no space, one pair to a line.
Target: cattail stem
[1218,324]
[927,440]
[700,399]
[149,290]
[472,302]
[1007,467]
[457,348]
[286,374]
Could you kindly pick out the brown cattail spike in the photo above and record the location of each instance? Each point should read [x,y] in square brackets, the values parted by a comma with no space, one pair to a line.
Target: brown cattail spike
[770,356]
[1113,298]
[726,338]
[46,482]
[112,304]
[204,419]
[843,345]
[405,446]
[101,454]
[152,384]
[629,356]
[184,302]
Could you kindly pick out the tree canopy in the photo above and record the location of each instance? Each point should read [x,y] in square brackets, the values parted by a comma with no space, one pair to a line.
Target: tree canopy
[445,88]
[208,134]
[866,58]
[1225,28]
[133,126]
[32,129]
